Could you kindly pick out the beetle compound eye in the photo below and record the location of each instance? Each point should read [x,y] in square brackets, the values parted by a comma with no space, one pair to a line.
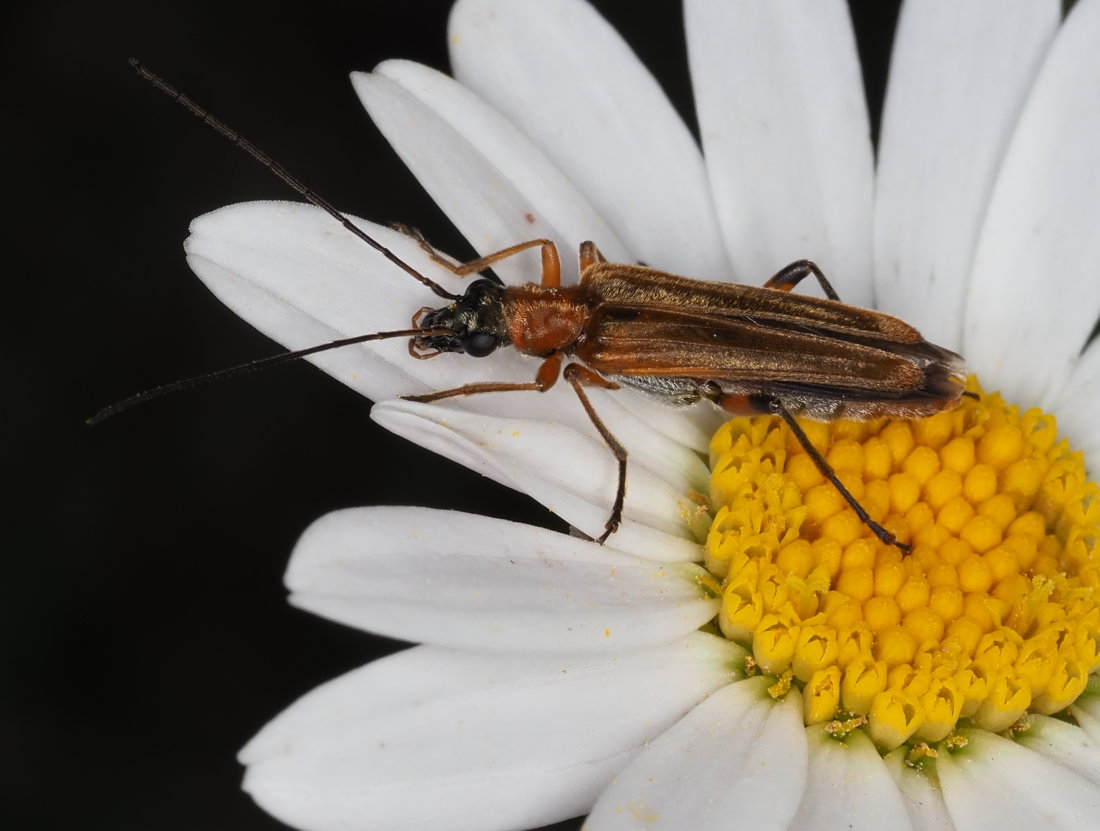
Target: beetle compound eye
[480,344]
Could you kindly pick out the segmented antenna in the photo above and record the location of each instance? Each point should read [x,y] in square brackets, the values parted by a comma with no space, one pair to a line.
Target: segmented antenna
[252,366]
[307,193]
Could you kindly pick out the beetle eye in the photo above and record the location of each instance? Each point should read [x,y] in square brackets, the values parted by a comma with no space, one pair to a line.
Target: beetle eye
[480,344]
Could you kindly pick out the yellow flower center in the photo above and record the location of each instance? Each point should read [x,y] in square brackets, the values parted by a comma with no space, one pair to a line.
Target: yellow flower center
[992,614]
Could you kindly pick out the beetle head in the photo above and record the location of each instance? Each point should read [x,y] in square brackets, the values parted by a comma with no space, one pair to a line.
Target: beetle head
[475,321]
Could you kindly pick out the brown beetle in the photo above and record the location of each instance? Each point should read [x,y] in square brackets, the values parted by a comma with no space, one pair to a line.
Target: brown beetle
[749,350]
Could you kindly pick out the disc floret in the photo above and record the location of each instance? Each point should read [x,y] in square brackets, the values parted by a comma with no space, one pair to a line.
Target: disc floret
[991,615]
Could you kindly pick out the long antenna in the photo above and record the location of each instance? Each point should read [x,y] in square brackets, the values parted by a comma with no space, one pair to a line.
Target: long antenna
[307,193]
[252,366]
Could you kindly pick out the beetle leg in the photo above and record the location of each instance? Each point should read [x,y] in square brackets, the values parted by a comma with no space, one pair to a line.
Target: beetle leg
[551,264]
[589,255]
[789,277]
[545,378]
[766,405]
[580,377]
[828,472]
[472,389]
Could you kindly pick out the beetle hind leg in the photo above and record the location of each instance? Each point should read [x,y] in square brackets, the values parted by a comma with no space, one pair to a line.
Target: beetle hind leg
[744,405]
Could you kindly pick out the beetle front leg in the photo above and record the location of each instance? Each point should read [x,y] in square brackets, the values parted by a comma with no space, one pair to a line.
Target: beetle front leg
[551,263]
[545,378]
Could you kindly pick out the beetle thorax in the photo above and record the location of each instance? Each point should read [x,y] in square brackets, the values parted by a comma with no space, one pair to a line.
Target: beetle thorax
[541,321]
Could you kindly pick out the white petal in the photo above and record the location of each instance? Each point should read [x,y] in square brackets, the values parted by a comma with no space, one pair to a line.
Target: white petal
[692,427]
[848,787]
[571,473]
[296,275]
[469,581]
[1064,743]
[1077,405]
[994,784]
[736,760]
[478,198]
[1035,297]
[785,132]
[566,78]
[923,797]
[438,738]
[490,179]
[628,416]
[959,75]
[1086,710]
[300,278]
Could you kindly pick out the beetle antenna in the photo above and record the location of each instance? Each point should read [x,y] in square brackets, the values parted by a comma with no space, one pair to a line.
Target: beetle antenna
[307,193]
[251,366]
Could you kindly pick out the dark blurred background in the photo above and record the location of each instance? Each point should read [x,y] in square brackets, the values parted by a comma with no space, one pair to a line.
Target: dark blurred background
[146,634]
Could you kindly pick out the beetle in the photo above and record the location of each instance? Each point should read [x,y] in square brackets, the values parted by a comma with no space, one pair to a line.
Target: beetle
[749,350]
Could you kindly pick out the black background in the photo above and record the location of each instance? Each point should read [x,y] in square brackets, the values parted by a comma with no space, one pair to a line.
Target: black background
[146,634]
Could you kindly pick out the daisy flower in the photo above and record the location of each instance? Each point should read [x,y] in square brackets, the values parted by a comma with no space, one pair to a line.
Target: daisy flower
[752,657]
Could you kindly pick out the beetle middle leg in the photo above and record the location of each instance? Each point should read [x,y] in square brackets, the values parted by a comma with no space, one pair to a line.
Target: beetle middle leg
[790,276]
[767,405]
[578,377]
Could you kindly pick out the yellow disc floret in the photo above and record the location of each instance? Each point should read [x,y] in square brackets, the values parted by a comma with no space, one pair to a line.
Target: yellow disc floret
[994,611]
